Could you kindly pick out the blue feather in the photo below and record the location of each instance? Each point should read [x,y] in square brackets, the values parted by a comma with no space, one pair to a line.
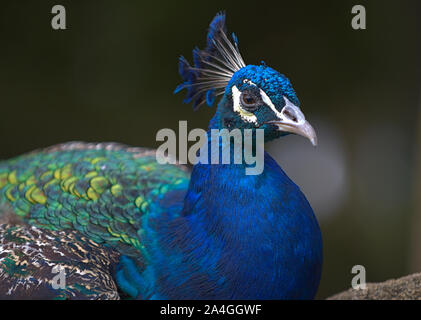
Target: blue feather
[210,97]
[234,37]
[243,237]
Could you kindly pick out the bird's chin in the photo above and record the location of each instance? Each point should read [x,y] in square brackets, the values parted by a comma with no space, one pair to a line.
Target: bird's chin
[272,132]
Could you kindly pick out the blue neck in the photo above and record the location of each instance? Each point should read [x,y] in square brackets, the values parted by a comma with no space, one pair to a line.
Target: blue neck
[237,237]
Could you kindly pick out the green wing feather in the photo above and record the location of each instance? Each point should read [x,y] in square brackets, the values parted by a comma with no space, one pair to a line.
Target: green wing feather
[99,190]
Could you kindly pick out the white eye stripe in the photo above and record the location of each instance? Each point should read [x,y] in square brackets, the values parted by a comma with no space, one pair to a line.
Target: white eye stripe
[270,104]
[250,117]
[288,104]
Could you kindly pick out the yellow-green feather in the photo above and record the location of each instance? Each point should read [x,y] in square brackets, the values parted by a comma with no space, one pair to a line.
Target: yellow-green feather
[102,192]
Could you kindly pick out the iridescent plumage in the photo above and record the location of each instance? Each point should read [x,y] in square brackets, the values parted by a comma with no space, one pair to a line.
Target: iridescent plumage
[100,190]
[219,234]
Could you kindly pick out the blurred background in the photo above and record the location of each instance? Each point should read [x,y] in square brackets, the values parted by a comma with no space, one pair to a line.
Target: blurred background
[111,74]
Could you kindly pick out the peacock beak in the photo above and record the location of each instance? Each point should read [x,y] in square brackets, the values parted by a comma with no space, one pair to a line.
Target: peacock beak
[292,120]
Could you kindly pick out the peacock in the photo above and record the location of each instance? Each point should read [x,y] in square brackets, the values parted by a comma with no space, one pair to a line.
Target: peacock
[162,231]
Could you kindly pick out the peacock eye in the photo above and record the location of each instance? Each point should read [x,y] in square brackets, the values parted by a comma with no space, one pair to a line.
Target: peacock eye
[248,100]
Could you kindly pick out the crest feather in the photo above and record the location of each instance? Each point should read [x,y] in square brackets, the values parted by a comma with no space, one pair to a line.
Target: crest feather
[212,67]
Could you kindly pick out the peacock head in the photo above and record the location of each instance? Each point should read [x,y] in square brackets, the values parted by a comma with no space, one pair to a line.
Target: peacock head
[253,96]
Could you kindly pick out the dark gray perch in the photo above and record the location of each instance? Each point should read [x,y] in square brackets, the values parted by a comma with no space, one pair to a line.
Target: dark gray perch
[405,288]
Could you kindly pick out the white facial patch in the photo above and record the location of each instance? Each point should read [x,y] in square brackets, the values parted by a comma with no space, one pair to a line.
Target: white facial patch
[288,108]
[245,115]
[270,104]
[283,116]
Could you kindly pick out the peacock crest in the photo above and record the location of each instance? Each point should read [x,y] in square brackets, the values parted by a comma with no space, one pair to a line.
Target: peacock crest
[212,67]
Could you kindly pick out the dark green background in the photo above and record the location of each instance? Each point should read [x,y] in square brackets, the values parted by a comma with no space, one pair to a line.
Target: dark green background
[110,77]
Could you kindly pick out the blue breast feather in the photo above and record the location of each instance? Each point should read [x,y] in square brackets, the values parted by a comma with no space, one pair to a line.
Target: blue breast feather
[256,238]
